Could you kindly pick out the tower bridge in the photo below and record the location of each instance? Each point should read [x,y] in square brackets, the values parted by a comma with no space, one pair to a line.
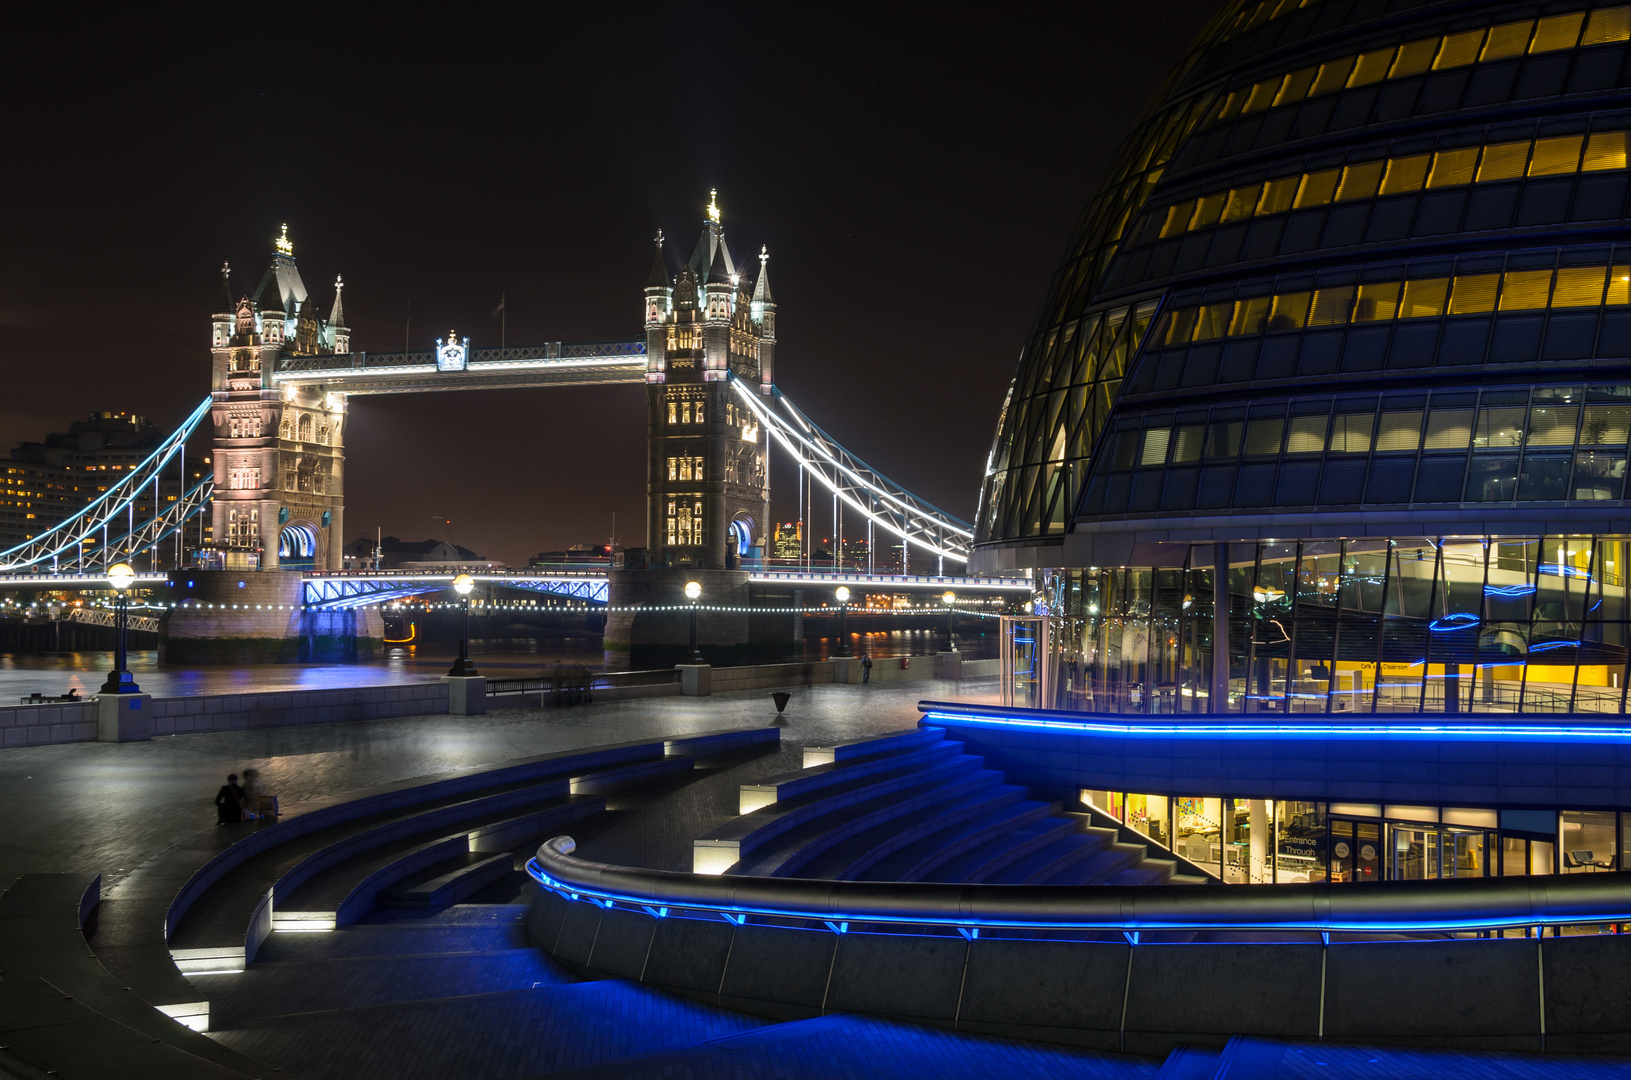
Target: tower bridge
[282,376]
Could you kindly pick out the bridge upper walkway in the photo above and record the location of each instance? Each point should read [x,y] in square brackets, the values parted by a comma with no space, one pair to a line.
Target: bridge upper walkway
[553,363]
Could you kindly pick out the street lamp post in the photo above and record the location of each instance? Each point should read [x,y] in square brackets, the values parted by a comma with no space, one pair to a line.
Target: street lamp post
[120,681]
[948,598]
[462,585]
[692,591]
[843,620]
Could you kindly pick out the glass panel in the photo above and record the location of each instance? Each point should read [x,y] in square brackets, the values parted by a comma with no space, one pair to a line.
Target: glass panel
[1453,167]
[1503,161]
[1619,285]
[1318,188]
[1514,856]
[1540,857]
[1414,58]
[1306,435]
[1290,311]
[1372,67]
[1263,437]
[1405,174]
[1508,39]
[1552,425]
[1223,440]
[1187,445]
[1377,302]
[1155,446]
[1525,289]
[1331,306]
[1399,431]
[1557,32]
[1250,316]
[1148,814]
[1241,203]
[1588,841]
[1360,181]
[1296,85]
[1350,433]
[1278,195]
[1299,849]
[1598,475]
[1424,297]
[1213,321]
[1248,856]
[1414,853]
[1355,851]
[1605,150]
[1458,50]
[1199,832]
[1498,429]
[1579,286]
[1474,294]
[1178,219]
[1556,156]
[1332,77]
[1608,24]
[1449,429]
[1207,210]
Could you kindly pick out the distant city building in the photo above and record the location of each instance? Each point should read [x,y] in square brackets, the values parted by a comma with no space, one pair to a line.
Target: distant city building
[395,554]
[48,481]
[789,542]
[577,553]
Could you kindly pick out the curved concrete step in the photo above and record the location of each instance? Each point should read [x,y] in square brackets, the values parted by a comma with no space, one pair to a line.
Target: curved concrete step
[838,752]
[911,862]
[1100,868]
[740,837]
[848,861]
[1047,861]
[786,856]
[811,779]
[447,882]
[984,859]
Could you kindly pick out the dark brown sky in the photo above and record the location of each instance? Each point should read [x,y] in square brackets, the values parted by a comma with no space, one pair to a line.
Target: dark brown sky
[914,173]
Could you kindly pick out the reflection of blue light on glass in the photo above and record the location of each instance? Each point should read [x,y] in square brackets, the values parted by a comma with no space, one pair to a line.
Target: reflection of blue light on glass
[1564,570]
[1459,621]
[1509,590]
[1545,645]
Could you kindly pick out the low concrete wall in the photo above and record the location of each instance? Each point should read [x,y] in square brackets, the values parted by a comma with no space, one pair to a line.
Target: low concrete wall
[40,725]
[1145,999]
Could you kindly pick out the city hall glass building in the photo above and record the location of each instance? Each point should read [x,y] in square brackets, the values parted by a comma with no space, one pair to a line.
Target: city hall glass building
[1327,406]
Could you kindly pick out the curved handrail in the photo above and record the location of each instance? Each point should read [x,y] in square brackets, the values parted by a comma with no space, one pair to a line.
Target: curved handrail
[1395,907]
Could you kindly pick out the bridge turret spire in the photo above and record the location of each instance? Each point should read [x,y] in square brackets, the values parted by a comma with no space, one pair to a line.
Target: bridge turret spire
[659,298]
[764,313]
[339,333]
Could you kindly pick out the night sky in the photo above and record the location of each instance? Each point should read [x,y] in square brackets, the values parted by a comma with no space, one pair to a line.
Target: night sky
[914,172]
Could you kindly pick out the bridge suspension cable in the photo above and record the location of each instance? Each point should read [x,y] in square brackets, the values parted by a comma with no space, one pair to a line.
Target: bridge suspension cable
[855,483]
[107,529]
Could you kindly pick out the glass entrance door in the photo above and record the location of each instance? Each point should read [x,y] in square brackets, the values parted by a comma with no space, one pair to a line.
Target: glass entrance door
[1356,850]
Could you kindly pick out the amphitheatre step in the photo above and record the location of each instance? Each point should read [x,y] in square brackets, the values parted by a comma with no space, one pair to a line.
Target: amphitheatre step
[1147,872]
[1047,861]
[921,856]
[343,892]
[741,836]
[787,853]
[226,921]
[447,882]
[848,860]
[815,778]
[984,859]
[1106,864]
[826,755]
[462,928]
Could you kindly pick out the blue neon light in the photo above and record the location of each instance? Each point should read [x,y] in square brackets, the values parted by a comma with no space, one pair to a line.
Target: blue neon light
[1509,590]
[1545,645]
[1290,729]
[834,920]
[1564,570]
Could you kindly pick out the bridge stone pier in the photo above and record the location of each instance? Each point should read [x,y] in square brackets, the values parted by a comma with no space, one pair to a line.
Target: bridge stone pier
[659,635]
[246,617]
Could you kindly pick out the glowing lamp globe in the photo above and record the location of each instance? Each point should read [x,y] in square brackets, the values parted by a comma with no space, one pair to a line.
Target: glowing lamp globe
[948,598]
[120,575]
[692,590]
[463,584]
[842,594]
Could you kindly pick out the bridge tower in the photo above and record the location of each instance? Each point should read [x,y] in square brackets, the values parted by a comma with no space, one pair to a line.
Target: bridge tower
[708,476]
[278,453]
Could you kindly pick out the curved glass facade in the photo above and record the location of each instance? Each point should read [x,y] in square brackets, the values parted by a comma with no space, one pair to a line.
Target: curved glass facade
[1328,406]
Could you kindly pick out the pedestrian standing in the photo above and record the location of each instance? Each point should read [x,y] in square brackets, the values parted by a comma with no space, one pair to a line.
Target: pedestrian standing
[250,796]
[866,669]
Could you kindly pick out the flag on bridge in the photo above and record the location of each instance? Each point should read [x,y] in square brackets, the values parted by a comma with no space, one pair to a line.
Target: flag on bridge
[499,308]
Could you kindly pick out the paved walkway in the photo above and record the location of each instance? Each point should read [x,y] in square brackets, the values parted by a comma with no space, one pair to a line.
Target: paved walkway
[102,808]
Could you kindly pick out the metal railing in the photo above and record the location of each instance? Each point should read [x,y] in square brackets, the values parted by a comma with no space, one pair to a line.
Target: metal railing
[580,680]
[1475,905]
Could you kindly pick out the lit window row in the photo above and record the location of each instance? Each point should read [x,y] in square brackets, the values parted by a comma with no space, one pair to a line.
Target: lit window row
[685,468]
[686,411]
[1559,156]
[1456,50]
[1464,294]
[684,522]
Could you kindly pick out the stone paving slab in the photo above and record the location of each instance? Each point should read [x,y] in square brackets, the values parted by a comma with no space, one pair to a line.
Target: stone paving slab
[861,1047]
[487,1036]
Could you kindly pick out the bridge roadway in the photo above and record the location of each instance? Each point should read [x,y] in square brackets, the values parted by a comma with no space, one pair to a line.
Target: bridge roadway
[554,363]
[355,588]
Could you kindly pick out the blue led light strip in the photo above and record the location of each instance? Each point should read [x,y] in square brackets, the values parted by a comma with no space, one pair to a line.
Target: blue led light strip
[1213,728]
